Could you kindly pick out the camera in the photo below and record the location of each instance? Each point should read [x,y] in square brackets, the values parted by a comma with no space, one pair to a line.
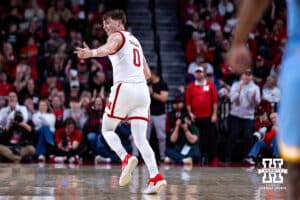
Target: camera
[18,117]
[260,134]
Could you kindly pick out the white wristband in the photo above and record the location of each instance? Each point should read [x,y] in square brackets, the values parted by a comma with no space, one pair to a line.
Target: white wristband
[94,52]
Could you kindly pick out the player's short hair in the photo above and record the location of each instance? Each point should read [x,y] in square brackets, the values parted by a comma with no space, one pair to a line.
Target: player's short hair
[116,14]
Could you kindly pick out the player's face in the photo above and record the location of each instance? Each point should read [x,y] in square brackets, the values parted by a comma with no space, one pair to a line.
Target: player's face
[110,25]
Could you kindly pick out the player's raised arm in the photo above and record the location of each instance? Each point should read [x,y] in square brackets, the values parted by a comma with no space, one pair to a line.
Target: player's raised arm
[112,45]
[250,12]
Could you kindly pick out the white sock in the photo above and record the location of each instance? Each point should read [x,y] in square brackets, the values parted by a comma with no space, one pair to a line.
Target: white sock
[138,129]
[115,144]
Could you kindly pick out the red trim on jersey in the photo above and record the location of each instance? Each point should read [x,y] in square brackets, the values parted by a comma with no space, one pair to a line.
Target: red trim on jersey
[141,118]
[122,44]
[115,99]
[116,117]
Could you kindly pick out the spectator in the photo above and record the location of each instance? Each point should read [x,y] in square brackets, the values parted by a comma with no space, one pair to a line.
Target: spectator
[159,95]
[2,104]
[59,10]
[56,65]
[191,49]
[271,92]
[34,12]
[13,36]
[28,103]
[4,85]
[267,142]
[31,91]
[30,49]
[9,58]
[202,104]
[55,28]
[244,96]
[16,140]
[75,112]
[261,120]
[103,151]
[192,66]
[83,72]
[50,84]
[97,83]
[92,127]
[22,75]
[58,110]
[188,9]
[44,121]
[67,143]
[171,117]
[260,71]
[74,89]
[7,113]
[185,142]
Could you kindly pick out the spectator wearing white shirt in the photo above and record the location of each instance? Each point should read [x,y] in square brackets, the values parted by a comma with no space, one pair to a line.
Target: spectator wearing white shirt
[192,67]
[44,121]
[271,92]
[244,97]
[7,113]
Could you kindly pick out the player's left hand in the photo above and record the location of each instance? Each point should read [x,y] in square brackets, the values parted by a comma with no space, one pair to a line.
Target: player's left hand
[239,58]
[84,52]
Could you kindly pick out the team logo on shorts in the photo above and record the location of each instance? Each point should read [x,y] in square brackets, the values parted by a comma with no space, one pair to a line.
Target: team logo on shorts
[272,170]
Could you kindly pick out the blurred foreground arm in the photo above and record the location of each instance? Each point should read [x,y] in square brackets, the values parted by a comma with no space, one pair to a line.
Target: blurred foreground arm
[239,58]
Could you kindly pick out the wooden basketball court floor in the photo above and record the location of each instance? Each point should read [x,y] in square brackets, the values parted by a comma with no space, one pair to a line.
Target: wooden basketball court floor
[45,181]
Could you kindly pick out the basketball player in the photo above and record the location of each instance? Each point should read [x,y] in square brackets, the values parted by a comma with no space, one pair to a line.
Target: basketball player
[129,97]
[289,111]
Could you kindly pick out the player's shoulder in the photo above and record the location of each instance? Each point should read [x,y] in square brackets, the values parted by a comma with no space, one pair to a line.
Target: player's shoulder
[117,35]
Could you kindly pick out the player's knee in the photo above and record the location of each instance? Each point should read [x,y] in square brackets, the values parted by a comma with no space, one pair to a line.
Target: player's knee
[109,124]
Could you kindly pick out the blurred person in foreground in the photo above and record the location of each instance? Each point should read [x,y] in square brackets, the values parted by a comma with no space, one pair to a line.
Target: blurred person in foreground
[239,59]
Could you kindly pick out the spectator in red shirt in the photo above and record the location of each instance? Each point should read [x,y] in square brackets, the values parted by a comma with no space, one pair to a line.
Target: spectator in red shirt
[4,85]
[50,84]
[190,49]
[202,103]
[268,142]
[56,28]
[68,143]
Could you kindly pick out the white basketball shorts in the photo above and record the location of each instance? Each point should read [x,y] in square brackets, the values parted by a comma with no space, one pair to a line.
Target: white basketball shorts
[128,101]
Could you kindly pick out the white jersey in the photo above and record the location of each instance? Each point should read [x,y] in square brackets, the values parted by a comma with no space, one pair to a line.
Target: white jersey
[127,62]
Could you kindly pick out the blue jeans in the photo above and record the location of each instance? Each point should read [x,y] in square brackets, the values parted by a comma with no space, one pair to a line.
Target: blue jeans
[45,137]
[177,157]
[104,150]
[92,138]
[260,145]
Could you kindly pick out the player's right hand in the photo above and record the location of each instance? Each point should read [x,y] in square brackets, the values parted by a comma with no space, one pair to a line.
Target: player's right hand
[84,52]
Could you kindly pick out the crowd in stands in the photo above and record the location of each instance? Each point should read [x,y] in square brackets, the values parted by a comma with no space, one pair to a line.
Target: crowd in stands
[207,29]
[51,103]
